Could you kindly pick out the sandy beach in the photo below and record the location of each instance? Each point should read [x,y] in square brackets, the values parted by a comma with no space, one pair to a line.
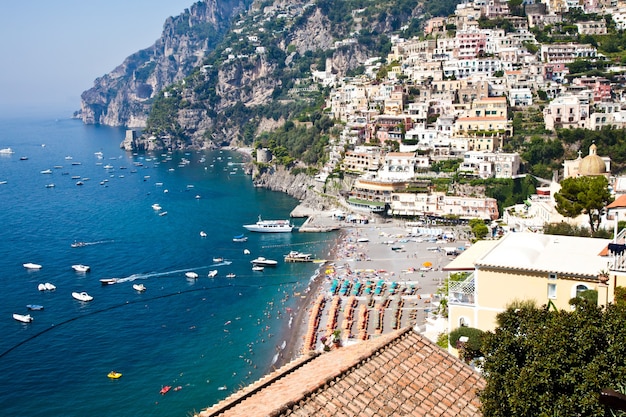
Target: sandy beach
[380,276]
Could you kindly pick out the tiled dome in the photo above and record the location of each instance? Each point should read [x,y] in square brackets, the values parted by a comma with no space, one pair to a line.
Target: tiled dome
[592,164]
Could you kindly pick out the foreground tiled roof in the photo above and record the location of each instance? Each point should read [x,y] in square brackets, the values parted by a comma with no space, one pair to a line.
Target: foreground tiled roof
[398,374]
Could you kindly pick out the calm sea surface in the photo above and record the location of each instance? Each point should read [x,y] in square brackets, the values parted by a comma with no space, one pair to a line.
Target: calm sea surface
[208,336]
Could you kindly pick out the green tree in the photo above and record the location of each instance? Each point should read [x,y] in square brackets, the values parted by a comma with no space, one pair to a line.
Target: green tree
[471,348]
[479,228]
[541,362]
[584,195]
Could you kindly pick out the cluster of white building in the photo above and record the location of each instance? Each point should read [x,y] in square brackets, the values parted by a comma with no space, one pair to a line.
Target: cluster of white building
[450,96]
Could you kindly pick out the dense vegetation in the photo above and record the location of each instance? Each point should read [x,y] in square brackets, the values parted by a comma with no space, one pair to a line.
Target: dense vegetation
[541,362]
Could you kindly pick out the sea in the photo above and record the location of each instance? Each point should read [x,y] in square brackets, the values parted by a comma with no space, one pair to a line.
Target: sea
[67,182]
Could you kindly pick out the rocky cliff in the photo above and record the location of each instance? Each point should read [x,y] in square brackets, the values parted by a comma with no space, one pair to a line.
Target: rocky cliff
[124,96]
[223,73]
[301,186]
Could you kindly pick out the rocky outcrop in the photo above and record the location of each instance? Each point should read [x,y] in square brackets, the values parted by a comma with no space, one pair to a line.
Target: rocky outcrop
[123,97]
[300,186]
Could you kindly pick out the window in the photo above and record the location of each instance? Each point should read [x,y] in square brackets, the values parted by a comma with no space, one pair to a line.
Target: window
[552,276]
[552,291]
[580,288]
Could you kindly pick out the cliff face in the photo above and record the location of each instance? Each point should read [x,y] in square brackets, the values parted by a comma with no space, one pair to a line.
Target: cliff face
[224,72]
[301,186]
[124,96]
[242,89]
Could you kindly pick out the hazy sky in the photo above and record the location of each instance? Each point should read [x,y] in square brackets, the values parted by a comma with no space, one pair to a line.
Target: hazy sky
[51,51]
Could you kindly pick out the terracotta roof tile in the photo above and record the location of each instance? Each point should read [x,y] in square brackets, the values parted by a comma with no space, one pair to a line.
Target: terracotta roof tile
[398,374]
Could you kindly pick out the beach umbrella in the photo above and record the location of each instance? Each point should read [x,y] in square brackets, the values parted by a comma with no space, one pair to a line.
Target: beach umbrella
[427,264]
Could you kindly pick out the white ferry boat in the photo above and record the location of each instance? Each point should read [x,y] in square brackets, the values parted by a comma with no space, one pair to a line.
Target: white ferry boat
[270,226]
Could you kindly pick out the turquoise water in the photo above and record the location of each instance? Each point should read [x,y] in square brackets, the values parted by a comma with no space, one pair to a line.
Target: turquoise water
[202,335]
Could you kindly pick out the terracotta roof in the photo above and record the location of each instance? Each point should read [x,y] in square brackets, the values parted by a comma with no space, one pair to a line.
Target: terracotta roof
[397,374]
[619,202]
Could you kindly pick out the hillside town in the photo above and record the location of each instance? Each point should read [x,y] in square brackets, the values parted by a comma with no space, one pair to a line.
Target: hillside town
[451,95]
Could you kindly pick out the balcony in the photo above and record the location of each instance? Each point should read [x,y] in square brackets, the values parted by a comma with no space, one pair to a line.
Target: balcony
[462,292]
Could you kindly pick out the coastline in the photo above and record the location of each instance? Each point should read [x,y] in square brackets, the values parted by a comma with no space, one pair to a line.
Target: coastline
[391,274]
[382,252]
[297,332]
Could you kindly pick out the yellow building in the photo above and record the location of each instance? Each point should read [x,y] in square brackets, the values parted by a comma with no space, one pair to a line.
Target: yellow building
[546,269]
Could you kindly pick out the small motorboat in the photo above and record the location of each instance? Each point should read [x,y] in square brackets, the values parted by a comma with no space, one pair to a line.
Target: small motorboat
[41,287]
[114,375]
[202,233]
[231,275]
[82,296]
[217,260]
[212,273]
[24,318]
[258,268]
[240,238]
[78,244]
[108,281]
[30,265]
[165,389]
[178,388]
[81,268]
[50,287]
[191,274]
[264,262]
[163,213]
[139,287]
[156,207]
[246,252]
[34,307]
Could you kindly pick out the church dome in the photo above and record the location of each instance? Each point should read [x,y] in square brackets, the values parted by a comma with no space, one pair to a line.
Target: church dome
[592,164]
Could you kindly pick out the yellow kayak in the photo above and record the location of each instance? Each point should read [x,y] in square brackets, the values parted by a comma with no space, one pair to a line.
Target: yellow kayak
[114,375]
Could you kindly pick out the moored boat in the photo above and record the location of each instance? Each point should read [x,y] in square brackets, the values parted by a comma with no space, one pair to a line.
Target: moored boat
[81,268]
[295,256]
[24,318]
[34,307]
[212,273]
[50,287]
[165,389]
[30,265]
[82,296]
[191,274]
[139,287]
[258,268]
[231,275]
[6,151]
[41,287]
[240,238]
[202,233]
[264,262]
[270,226]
